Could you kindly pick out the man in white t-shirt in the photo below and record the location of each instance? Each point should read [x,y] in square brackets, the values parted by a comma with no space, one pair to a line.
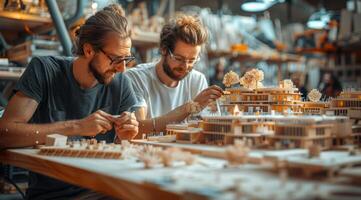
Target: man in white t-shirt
[165,89]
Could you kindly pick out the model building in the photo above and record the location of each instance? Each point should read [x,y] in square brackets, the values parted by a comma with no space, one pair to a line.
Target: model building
[347,104]
[271,117]
[254,97]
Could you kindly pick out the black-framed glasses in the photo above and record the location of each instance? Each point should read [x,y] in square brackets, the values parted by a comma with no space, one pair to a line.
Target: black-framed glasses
[181,60]
[119,59]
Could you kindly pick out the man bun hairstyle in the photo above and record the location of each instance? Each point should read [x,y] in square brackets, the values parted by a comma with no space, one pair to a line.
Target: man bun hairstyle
[96,28]
[188,29]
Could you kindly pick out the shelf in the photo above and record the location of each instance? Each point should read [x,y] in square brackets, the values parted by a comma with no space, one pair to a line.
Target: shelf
[342,47]
[316,51]
[18,21]
[350,46]
[145,40]
[218,54]
[255,57]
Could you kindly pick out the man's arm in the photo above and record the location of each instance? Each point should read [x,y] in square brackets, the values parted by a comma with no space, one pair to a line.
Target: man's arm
[16,132]
[158,124]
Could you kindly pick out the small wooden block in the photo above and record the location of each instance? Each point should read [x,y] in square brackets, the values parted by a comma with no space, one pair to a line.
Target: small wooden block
[56,140]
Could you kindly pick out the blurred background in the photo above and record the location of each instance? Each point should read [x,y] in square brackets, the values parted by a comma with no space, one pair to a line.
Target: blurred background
[316,43]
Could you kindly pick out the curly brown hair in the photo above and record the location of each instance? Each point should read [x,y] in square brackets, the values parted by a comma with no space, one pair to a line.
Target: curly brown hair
[188,29]
[96,28]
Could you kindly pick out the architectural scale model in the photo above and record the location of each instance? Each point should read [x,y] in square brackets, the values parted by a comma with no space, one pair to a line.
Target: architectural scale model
[84,149]
[317,162]
[314,106]
[185,133]
[274,118]
[276,131]
[57,145]
[253,97]
[348,103]
[267,131]
[264,100]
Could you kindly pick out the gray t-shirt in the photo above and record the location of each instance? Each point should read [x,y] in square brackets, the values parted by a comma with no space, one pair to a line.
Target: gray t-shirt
[50,81]
[159,98]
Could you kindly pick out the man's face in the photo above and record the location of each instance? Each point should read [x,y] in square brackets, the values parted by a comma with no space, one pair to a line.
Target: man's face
[180,62]
[110,59]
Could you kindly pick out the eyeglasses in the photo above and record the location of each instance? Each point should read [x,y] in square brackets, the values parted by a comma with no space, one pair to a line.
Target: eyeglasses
[181,60]
[117,60]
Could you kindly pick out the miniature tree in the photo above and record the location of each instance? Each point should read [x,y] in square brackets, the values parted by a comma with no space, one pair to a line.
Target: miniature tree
[252,79]
[314,95]
[230,79]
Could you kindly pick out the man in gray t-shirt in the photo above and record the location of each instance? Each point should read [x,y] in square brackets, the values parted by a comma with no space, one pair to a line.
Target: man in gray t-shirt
[166,88]
[76,97]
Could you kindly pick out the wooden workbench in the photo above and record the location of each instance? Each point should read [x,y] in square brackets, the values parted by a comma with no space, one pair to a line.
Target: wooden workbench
[206,179]
[102,175]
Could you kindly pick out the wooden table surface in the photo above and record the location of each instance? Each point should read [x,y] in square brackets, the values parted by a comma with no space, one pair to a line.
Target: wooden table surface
[208,178]
[103,175]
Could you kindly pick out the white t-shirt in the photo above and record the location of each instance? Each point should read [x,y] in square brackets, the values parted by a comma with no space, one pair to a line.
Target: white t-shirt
[159,98]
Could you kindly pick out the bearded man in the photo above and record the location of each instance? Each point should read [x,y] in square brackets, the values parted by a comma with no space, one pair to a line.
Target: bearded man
[165,89]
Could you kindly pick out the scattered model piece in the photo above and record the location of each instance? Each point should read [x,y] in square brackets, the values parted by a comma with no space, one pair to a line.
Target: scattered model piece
[185,133]
[170,155]
[152,156]
[55,140]
[237,154]
[84,149]
[149,156]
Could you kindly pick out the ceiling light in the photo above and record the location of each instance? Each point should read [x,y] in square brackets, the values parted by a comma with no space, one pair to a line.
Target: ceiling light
[258,5]
[319,19]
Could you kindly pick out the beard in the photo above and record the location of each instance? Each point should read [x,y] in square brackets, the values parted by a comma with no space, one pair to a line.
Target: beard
[171,72]
[101,78]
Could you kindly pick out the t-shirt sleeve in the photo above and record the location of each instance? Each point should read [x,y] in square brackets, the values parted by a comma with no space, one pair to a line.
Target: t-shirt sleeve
[138,91]
[128,96]
[31,83]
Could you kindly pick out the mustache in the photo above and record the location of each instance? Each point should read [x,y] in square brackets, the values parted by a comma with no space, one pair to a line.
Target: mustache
[110,71]
[181,69]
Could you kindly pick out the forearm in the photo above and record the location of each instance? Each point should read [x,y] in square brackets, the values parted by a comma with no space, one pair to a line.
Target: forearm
[20,134]
[158,124]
